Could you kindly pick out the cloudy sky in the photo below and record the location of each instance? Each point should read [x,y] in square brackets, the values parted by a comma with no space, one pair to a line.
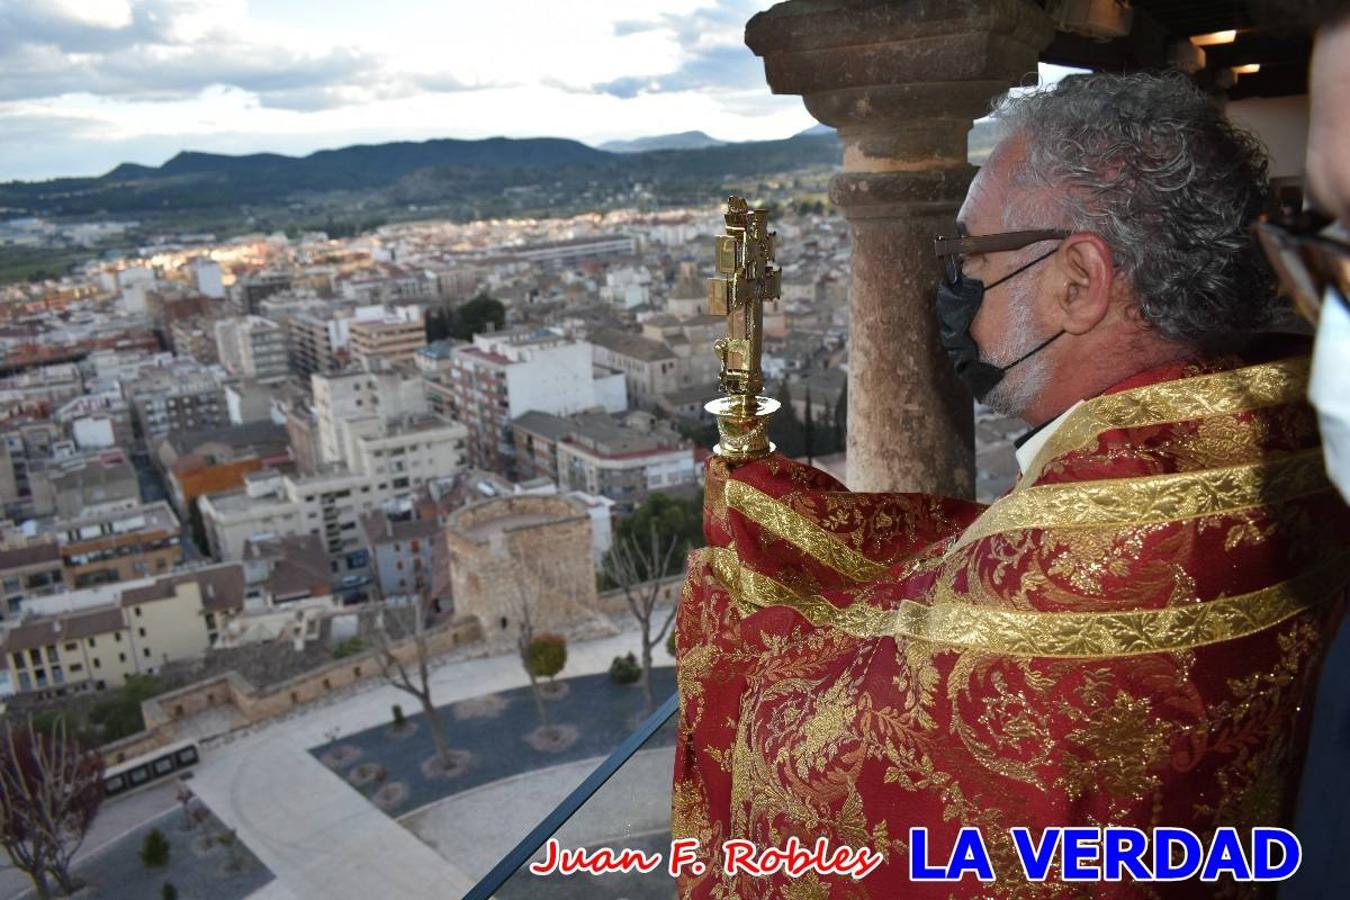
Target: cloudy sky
[87,84]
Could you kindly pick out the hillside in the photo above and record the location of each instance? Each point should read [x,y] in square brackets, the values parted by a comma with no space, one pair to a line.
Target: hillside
[470,172]
[685,140]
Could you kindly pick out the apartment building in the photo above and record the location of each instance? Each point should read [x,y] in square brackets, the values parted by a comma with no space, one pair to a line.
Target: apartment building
[260,509]
[623,458]
[176,398]
[383,460]
[574,250]
[402,544]
[357,394]
[206,462]
[86,485]
[650,368]
[503,375]
[252,347]
[311,342]
[97,421]
[171,618]
[246,293]
[118,545]
[393,336]
[27,571]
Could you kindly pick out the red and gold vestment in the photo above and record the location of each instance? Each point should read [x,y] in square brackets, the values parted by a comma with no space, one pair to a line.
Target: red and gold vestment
[1131,636]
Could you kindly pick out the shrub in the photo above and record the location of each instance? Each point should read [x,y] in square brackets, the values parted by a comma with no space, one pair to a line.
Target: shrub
[155,850]
[350,647]
[625,669]
[168,892]
[399,719]
[546,655]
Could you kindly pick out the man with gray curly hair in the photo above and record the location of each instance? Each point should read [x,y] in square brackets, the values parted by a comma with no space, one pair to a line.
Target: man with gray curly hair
[1135,197]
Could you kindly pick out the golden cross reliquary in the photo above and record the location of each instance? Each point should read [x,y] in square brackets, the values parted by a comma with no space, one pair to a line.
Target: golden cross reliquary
[746,280]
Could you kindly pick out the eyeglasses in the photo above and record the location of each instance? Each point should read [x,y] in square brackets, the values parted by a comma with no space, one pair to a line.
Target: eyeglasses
[1308,261]
[952,251]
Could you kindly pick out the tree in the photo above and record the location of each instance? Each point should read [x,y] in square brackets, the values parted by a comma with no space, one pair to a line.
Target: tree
[120,714]
[546,655]
[348,647]
[50,792]
[155,850]
[524,640]
[841,419]
[785,429]
[437,323]
[394,623]
[629,565]
[673,517]
[184,796]
[533,578]
[625,669]
[809,431]
[473,317]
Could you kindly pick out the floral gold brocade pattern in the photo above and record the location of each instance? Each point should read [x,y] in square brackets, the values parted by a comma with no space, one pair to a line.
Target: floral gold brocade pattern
[850,665]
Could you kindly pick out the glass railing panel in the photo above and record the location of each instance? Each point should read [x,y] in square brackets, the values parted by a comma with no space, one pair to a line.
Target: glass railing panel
[620,802]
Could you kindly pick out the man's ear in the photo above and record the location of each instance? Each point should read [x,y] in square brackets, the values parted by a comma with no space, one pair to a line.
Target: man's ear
[1088,272]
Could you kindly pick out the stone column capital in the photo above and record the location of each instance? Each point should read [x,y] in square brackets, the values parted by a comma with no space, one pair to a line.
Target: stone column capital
[811,46]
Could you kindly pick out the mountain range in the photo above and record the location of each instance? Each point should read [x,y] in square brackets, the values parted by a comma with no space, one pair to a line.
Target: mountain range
[445,171]
[685,140]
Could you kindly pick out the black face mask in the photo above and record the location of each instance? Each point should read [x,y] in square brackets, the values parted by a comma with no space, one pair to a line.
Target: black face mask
[957,305]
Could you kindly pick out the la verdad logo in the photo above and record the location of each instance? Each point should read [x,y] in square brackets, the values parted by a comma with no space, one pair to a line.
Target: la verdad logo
[1116,853]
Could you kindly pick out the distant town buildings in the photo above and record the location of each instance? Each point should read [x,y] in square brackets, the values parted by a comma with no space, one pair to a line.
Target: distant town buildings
[209,444]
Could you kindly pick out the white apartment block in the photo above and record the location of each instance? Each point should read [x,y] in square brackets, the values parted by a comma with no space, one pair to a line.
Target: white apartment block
[394,335]
[346,397]
[627,286]
[252,347]
[376,443]
[503,375]
[574,250]
[207,276]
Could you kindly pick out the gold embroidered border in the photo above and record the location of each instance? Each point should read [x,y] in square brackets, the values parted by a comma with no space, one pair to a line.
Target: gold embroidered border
[749,586]
[779,519]
[1066,635]
[1151,499]
[1222,393]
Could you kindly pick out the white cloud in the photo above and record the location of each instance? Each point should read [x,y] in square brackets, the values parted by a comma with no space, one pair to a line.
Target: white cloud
[91,83]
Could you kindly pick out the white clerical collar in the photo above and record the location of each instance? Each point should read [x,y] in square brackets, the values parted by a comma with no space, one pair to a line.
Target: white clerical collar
[1027,451]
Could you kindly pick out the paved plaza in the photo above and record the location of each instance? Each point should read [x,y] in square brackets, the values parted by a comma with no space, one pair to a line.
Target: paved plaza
[320,837]
[490,738]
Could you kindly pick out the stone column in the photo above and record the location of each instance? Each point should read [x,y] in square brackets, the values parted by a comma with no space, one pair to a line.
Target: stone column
[902,82]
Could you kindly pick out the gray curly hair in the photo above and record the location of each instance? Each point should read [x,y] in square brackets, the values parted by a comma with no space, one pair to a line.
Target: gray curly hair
[1152,165]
